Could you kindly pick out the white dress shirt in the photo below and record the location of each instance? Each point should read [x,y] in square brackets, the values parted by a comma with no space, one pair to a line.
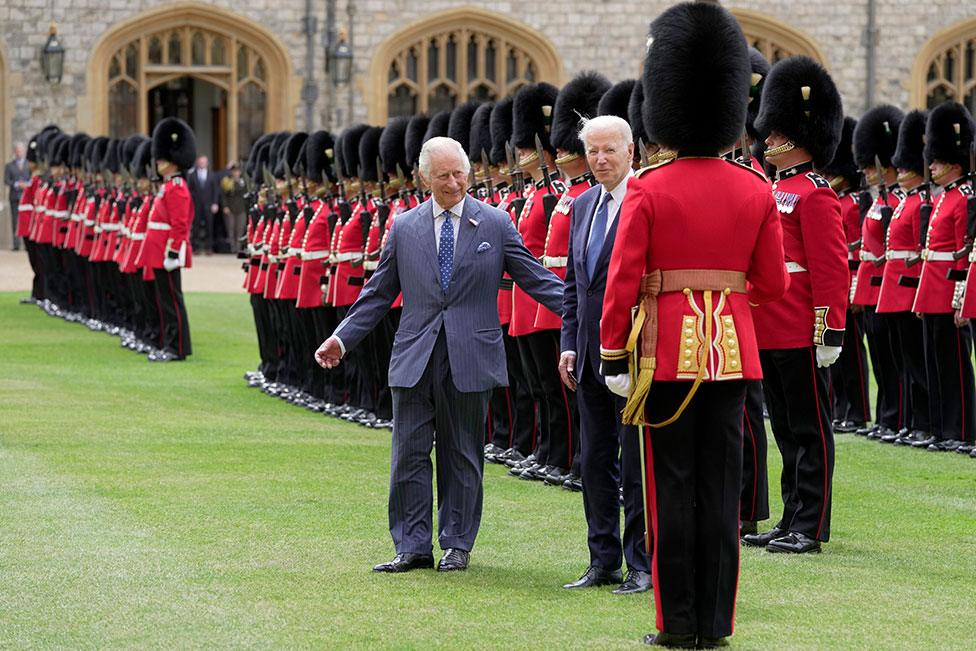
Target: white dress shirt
[616,200]
[456,211]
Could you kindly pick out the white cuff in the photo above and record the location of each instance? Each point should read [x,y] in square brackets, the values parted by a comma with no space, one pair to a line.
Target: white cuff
[342,346]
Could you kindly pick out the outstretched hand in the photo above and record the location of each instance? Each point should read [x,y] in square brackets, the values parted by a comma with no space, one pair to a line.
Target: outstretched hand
[329,353]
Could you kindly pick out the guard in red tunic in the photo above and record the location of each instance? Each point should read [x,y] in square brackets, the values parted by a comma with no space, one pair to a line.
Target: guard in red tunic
[903,252]
[25,212]
[166,249]
[143,294]
[801,335]
[849,378]
[691,262]
[532,114]
[948,339]
[580,97]
[875,139]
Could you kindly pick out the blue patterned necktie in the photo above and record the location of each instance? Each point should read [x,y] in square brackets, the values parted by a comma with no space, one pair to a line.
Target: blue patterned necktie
[445,251]
[598,234]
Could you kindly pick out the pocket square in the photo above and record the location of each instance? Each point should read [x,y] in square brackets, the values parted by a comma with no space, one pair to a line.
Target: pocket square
[484,246]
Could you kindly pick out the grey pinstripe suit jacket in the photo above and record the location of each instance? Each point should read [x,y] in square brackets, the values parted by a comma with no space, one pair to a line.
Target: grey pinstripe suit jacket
[487,246]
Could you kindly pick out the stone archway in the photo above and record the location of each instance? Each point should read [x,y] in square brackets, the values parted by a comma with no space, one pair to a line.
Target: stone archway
[776,39]
[189,40]
[944,68]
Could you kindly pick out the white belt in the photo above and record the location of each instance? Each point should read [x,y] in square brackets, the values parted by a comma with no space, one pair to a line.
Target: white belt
[126,231]
[315,255]
[272,259]
[900,255]
[138,236]
[938,256]
[349,257]
[25,208]
[89,222]
[850,255]
[111,227]
[371,265]
[555,261]
[98,228]
[795,267]
[867,256]
[159,226]
[75,217]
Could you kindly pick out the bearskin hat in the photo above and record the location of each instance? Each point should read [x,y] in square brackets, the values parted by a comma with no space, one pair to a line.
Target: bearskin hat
[500,127]
[174,141]
[617,98]
[532,115]
[369,153]
[696,79]
[54,148]
[86,154]
[291,155]
[877,135]
[578,99]
[393,146]
[275,149]
[948,134]
[911,143]
[251,167]
[843,163]
[437,127]
[78,142]
[97,153]
[760,70]
[635,115]
[479,137]
[320,157]
[459,126]
[800,101]
[262,159]
[40,144]
[349,150]
[142,160]
[414,138]
[129,147]
[110,159]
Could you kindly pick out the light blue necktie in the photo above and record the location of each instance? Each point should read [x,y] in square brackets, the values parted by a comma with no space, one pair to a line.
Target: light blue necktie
[445,251]
[598,235]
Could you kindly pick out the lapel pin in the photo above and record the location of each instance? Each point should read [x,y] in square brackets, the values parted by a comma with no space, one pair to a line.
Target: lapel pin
[474,222]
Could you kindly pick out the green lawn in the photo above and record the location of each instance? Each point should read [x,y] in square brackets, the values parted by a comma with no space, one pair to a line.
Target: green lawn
[170,506]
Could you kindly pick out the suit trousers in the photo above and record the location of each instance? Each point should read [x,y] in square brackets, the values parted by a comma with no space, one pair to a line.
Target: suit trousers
[949,352]
[849,376]
[174,328]
[796,395]
[910,351]
[694,473]
[754,498]
[434,407]
[610,459]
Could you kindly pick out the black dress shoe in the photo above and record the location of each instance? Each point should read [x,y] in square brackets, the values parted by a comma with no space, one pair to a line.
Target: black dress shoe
[944,446]
[556,477]
[763,539]
[595,576]
[911,437]
[972,454]
[848,427]
[405,562]
[535,472]
[748,528]
[794,543]
[878,432]
[671,640]
[925,443]
[891,437]
[864,431]
[511,454]
[518,465]
[454,560]
[712,642]
[965,448]
[574,484]
[637,581]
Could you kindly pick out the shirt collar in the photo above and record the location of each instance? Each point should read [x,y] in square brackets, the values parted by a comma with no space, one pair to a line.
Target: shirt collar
[456,211]
[620,190]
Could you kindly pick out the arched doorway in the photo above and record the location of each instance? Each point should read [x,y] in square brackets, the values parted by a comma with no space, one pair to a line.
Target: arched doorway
[451,56]
[946,68]
[230,79]
[775,39]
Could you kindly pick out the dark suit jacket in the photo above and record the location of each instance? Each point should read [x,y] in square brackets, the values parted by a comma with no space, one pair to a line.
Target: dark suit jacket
[583,298]
[10,177]
[487,246]
[204,193]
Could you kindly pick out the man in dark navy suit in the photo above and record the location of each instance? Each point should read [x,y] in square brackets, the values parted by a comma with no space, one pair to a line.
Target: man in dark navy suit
[609,147]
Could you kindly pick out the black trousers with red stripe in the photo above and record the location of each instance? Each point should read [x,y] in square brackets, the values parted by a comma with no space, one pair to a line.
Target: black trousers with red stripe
[557,405]
[849,376]
[511,409]
[174,328]
[37,284]
[910,357]
[889,407]
[949,352]
[799,414]
[694,475]
[754,498]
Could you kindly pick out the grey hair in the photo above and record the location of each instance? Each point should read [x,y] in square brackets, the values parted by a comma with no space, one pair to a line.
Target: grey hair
[444,145]
[607,122]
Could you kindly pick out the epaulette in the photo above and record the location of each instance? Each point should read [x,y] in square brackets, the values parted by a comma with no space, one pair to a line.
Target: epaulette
[817,180]
[966,190]
[177,180]
[748,168]
[655,166]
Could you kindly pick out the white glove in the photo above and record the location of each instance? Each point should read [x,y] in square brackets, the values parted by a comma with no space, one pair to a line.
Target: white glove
[619,384]
[169,264]
[827,355]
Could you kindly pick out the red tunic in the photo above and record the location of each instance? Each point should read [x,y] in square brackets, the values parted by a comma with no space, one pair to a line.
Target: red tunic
[273,248]
[349,278]
[39,214]
[867,286]
[947,234]
[25,209]
[902,245]
[288,278]
[814,309]
[168,226]
[556,252]
[668,223]
[851,216]
[532,227]
[62,217]
[86,234]
[503,198]
[76,217]
[315,257]
[137,235]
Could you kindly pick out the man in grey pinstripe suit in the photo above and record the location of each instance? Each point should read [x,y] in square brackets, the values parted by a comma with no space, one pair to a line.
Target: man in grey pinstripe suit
[447,257]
